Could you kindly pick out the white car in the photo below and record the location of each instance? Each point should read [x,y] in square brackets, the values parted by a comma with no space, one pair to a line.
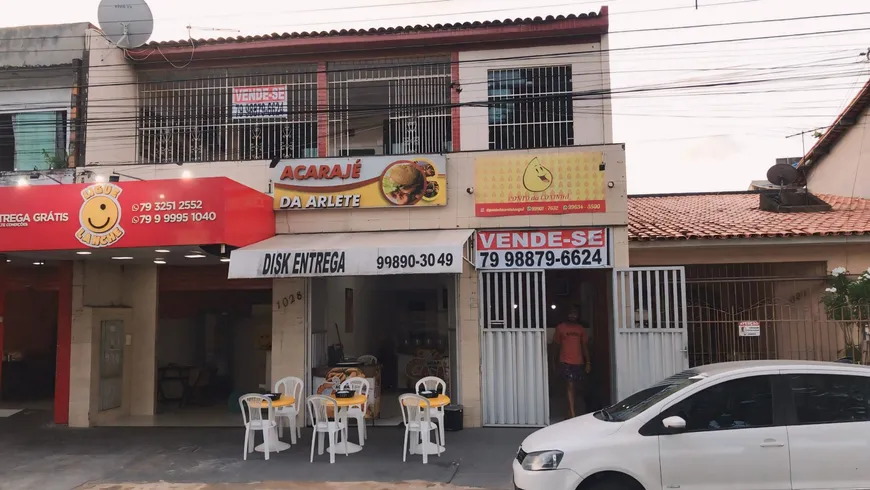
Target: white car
[765,425]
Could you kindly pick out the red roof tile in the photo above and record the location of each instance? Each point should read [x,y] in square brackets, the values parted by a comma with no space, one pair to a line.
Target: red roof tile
[375,31]
[737,215]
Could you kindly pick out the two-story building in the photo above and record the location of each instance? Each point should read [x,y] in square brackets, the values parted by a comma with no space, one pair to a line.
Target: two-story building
[439,197]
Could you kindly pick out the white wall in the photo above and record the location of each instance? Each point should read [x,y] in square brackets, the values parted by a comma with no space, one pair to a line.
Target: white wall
[111,104]
[591,71]
[845,171]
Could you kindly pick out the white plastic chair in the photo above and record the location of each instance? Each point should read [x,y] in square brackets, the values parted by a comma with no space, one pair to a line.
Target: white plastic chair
[358,412]
[291,386]
[433,383]
[417,416]
[318,407]
[367,360]
[252,413]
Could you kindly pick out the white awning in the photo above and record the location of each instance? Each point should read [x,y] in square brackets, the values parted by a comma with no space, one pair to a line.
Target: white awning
[352,254]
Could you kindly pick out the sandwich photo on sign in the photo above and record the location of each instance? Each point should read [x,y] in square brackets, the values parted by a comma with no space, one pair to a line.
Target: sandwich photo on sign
[367,182]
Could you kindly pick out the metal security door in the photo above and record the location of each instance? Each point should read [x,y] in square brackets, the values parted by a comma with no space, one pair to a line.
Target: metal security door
[514,349]
[111,364]
[649,311]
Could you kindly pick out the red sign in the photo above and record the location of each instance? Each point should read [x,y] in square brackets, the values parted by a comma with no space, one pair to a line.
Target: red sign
[155,213]
[542,239]
[543,249]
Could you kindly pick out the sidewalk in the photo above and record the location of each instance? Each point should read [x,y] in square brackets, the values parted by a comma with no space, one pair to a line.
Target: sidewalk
[35,454]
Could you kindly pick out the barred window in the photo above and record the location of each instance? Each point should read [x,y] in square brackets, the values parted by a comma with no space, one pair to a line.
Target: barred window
[390,107]
[530,108]
[215,115]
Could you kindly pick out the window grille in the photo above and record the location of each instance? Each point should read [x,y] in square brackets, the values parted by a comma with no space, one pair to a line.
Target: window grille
[188,116]
[390,107]
[530,108]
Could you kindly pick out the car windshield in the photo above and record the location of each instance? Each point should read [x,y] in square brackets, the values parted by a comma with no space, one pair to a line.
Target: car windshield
[643,399]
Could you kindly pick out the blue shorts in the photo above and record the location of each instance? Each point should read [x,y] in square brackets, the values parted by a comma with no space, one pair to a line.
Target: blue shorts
[573,372]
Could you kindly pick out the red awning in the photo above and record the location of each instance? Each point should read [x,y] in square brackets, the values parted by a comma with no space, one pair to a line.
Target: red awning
[154,213]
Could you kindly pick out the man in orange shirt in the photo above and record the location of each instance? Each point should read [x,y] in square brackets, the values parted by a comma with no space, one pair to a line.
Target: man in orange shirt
[573,345]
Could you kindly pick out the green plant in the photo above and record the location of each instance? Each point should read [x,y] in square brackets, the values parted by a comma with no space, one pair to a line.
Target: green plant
[55,161]
[847,301]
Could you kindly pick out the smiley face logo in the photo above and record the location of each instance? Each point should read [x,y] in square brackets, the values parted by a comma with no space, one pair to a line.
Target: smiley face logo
[536,177]
[100,216]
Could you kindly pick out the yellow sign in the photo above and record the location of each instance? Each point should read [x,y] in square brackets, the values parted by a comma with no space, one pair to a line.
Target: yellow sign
[367,182]
[544,183]
[100,216]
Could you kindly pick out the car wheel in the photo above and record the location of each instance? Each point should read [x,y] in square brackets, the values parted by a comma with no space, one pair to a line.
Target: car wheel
[610,481]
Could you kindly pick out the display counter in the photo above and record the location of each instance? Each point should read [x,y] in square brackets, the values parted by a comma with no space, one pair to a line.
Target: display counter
[323,377]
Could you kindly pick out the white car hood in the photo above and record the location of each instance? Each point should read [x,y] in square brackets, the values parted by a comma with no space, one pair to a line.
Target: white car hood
[579,431]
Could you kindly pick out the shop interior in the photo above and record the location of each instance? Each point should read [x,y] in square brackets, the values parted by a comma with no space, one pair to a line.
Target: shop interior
[407,322]
[587,290]
[29,350]
[212,347]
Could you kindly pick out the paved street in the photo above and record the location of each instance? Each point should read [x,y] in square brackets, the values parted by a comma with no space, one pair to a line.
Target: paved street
[34,454]
[413,485]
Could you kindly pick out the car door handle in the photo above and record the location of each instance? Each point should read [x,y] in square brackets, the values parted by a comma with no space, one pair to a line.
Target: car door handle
[772,443]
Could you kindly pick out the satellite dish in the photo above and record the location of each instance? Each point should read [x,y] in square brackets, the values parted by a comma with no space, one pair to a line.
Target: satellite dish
[782,174]
[127,23]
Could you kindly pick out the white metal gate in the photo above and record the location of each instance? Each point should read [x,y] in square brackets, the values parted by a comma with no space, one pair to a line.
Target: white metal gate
[649,311]
[514,348]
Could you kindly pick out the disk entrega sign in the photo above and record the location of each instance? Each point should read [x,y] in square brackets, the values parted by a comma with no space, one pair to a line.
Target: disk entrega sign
[352,261]
[368,182]
[285,264]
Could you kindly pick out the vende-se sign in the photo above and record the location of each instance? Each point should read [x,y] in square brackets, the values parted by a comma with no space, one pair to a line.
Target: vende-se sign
[574,248]
[262,101]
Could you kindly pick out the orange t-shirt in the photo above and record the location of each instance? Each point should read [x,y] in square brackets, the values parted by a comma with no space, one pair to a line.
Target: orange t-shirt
[571,339]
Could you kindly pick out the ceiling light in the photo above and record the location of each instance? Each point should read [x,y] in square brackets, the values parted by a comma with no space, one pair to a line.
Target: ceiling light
[83,252]
[162,251]
[225,259]
[122,258]
[39,263]
[23,182]
[159,261]
[100,178]
[194,256]
[552,307]
[186,174]
[8,260]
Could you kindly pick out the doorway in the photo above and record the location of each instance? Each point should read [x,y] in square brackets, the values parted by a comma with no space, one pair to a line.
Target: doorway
[212,347]
[405,325]
[29,350]
[585,291]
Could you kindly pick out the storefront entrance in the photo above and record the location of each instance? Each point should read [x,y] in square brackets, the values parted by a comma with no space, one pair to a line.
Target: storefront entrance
[389,297]
[529,281]
[212,344]
[402,326]
[31,324]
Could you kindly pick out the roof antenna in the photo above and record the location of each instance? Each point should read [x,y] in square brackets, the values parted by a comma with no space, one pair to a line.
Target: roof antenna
[211,29]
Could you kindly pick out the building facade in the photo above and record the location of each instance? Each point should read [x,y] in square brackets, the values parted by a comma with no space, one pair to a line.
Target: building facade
[439,197]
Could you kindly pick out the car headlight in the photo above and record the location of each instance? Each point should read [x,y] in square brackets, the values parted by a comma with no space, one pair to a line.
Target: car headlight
[542,460]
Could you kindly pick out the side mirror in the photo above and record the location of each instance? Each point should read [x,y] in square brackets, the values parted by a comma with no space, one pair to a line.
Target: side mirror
[674,423]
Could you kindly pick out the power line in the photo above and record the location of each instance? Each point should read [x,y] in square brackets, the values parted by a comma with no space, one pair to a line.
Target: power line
[504,58]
